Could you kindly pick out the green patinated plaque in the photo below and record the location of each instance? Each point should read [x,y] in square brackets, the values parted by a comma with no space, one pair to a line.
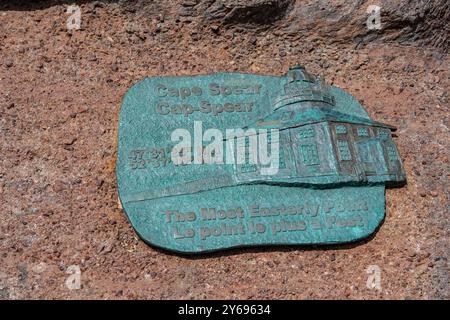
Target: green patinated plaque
[225,160]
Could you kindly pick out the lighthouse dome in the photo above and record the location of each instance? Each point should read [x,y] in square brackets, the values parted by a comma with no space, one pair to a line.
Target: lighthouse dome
[301,86]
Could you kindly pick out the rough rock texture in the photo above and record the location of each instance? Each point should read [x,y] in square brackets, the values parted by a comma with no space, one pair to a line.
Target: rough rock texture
[421,21]
[60,96]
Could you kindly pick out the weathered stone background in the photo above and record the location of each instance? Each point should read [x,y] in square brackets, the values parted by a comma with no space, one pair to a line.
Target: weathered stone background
[60,94]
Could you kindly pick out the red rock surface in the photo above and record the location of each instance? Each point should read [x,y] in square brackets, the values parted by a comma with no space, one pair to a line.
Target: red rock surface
[60,96]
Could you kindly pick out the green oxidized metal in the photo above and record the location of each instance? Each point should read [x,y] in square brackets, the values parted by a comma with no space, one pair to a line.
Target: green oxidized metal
[334,163]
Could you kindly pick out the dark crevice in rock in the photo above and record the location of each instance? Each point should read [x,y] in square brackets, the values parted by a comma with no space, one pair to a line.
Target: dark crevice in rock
[259,12]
